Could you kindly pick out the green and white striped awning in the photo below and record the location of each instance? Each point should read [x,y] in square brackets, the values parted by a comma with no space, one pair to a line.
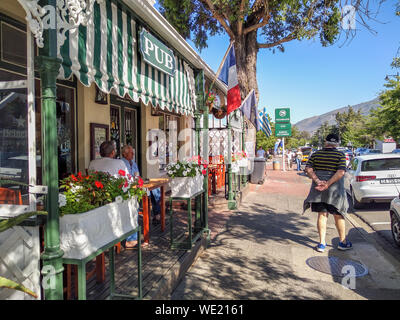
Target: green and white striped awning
[106,52]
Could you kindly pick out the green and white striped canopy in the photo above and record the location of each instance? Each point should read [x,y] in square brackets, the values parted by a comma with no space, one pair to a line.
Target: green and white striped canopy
[105,52]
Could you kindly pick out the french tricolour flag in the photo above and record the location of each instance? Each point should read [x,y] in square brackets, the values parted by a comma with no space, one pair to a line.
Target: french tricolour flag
[228,75]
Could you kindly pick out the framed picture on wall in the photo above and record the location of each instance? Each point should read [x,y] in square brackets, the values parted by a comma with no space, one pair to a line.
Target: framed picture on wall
[98,134]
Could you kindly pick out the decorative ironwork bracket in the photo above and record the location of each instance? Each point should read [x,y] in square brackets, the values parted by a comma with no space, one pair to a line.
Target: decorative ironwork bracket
[70,14]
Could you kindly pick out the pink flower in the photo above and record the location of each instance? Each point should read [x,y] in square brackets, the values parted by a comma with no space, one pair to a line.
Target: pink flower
[204,172]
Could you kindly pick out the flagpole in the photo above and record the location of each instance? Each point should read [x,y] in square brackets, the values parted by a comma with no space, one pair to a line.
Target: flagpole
[220,66]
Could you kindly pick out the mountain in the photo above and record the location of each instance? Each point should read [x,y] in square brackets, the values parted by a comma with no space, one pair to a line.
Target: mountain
[313,123]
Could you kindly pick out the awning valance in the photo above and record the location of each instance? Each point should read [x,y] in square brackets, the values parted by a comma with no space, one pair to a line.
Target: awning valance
[106,52]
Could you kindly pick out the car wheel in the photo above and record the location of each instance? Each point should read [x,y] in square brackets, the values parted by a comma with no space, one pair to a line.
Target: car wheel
[395,224]
[356,204]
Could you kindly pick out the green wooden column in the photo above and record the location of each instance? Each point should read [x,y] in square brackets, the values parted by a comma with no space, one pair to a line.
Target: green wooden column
[201,106]
[243,177]
[49,65]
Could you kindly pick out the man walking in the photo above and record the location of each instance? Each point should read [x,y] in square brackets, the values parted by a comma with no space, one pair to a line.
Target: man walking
[326,168]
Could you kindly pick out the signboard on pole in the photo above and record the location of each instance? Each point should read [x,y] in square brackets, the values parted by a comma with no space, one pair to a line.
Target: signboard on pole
[283,130]
[282,115]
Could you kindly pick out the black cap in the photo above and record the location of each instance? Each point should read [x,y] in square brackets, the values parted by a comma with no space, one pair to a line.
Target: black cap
[332,138]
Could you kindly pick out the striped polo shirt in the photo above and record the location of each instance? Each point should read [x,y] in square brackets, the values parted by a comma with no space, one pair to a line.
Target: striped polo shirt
[328,159]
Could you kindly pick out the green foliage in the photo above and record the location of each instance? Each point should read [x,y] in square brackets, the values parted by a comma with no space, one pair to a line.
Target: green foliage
[6,283]
[276,19]
[11,222]
[186,168]
[84,193]
[386,120]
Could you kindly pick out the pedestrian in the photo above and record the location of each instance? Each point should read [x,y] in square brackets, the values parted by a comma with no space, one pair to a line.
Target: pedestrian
[327,194]
[288,158]
[260,152]
[299,156]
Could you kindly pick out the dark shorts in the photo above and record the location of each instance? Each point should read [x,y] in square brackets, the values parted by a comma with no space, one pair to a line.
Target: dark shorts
[323,207]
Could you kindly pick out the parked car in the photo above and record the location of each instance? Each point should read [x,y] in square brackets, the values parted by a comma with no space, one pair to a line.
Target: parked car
[348,153]
[395,219]
[373,178]
[396,151]
[307,151]
[358,150]
[370,151]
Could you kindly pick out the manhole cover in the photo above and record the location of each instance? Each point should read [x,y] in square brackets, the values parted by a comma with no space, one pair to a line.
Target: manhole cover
[336,266]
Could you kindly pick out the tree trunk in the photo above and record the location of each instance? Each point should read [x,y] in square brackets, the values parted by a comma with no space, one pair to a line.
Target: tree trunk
[246,63]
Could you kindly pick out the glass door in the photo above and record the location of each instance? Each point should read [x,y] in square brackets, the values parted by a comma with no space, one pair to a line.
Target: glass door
[16,156]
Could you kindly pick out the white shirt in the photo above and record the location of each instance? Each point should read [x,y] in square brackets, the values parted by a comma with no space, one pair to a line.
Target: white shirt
[112,166]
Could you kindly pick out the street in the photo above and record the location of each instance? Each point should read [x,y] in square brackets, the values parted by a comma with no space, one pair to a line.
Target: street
[266,246]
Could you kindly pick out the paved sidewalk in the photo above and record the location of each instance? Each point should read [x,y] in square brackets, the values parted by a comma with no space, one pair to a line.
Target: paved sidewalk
[260,252]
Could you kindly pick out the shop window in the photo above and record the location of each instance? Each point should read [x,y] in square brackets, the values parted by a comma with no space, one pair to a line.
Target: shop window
[14,146]
[13,44]
[115,128]
[130,128]
[65,104]
[166,151]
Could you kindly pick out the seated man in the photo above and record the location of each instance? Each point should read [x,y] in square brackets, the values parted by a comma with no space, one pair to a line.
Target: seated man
[155,195]
[107,163]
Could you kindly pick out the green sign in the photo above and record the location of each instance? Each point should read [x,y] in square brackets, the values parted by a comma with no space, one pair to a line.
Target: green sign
[282,115]
[283,130]
[156,53]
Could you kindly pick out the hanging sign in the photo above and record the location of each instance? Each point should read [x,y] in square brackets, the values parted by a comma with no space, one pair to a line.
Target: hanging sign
[156,53]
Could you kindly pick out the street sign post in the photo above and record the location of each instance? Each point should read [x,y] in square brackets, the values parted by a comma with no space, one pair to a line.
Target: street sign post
[282,115]
[283,128]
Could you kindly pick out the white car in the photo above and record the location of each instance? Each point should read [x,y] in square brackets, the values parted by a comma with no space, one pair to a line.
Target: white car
[395,219]
[373,178]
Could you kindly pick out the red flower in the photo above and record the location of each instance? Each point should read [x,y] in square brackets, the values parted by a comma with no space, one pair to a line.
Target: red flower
[205,166]
[122,173]
[73,178]
[140,182]
[99,184]
[126,184]
[204,172]
[80,175]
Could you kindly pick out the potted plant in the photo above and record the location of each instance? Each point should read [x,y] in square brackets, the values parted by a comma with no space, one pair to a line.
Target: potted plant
[210,100]
[188,177]
[97,209]
[239,159]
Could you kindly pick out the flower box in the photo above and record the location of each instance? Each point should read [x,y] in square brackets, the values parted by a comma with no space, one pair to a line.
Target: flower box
[243,162]
[83,234]
[185,187]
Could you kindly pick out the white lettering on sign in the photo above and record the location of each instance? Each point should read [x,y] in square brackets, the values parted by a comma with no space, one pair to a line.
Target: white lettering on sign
[148,45]
[168,62]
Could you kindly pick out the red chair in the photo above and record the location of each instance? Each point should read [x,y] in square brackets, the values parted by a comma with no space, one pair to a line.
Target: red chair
[9,196]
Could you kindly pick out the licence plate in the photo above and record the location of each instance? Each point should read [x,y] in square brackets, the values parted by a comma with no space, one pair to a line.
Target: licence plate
[390,181]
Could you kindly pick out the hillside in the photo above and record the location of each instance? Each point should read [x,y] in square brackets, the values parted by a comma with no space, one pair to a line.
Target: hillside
[313,123]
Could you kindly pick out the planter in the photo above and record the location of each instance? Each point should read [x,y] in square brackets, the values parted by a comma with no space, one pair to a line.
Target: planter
[185,187]
[243,162]
[235,167]
[84,233]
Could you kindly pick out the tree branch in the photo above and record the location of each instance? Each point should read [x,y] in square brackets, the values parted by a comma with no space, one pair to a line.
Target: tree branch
[258,25]
[241,18]
[290,37]
[217,16]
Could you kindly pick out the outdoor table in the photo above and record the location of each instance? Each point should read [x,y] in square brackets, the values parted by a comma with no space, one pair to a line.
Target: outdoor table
[151,185]
[81,265]
[187,244]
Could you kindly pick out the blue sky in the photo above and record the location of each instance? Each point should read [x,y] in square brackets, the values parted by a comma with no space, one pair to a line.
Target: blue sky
[313,80]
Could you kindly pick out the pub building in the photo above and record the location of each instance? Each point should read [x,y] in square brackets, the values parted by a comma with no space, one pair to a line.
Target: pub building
[125,72]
